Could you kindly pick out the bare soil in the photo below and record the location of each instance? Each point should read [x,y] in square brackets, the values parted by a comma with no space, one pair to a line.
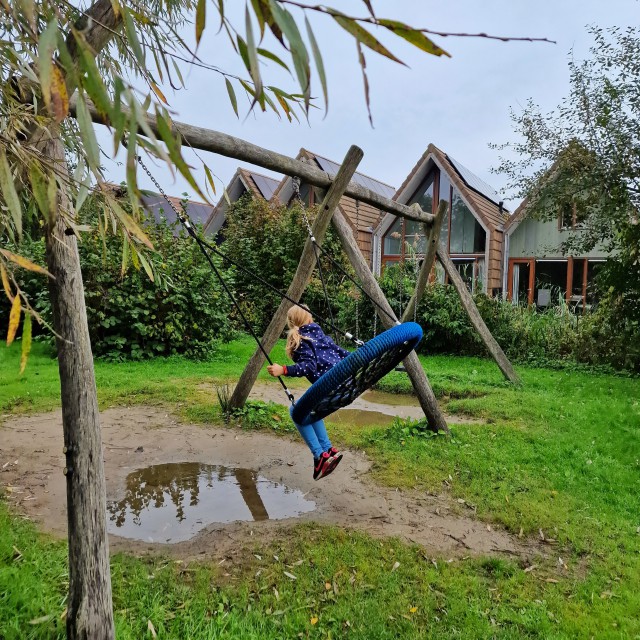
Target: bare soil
[31,464]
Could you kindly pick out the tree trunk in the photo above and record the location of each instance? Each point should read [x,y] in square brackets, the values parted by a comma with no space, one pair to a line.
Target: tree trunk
[301,278]
[412,364]
[89,607]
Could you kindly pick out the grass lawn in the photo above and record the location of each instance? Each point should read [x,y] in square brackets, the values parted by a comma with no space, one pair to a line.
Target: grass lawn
[558,457]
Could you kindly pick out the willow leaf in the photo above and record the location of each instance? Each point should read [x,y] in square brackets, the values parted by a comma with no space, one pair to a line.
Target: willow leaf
[232,96]
[23,262]
[201,19]
[363,36]
[88,133]
[317,56]
[26,341]
[415,37]
[14,319]
[9,193]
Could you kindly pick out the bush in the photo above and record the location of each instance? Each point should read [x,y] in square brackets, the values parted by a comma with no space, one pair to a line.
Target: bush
[556,336]
[184,312]
[268,240]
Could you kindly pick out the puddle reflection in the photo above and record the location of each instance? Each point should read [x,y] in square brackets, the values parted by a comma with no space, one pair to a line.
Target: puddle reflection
[172,502]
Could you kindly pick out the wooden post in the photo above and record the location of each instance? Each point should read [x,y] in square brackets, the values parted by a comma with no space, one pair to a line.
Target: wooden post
[433,239]
[412,364]
[301,278]
[476,319]
[89,607]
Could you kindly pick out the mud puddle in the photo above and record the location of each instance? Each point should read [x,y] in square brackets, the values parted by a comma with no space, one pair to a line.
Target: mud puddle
[173,502]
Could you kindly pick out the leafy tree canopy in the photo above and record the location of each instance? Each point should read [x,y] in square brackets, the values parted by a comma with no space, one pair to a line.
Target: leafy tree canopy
[585,155]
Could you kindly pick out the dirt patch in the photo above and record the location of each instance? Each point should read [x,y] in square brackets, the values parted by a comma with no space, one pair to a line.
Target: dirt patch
[31,463]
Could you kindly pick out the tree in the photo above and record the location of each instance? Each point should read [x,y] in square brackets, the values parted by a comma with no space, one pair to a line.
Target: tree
[584,157]
[53,50]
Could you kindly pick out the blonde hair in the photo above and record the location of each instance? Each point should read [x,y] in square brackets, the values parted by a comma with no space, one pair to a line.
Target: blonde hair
[297,316]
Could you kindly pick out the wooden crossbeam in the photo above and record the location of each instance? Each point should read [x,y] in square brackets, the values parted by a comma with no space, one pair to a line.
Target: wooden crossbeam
[232,147]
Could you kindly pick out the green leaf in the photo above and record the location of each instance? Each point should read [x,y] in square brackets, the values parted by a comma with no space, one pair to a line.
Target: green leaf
[88,133]
[254,68]
[265,53]
[132,37]
[298,49]
[128,222]
[173,147]
[178,72]
[415,37]
[257,9]
[39,189]
[210,178]
[363,36]
[146,266]
[201,19]
[232,96]
[91,79]
[9,193]
[243,50]
[47,45]
[317,57]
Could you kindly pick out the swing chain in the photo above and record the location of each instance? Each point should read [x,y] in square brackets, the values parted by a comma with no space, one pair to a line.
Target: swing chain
[295,181]
[180,214]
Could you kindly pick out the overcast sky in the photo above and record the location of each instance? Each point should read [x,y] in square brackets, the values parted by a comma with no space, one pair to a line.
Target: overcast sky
[461,103]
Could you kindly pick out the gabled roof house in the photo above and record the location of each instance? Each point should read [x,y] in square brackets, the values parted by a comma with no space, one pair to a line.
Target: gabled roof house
[534,269]
[362,217]
[473,228]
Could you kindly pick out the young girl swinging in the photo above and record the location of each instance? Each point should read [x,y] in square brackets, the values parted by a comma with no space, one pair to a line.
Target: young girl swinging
[314,353]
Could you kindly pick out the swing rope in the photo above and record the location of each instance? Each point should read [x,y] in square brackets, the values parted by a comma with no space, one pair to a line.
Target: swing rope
[182,216]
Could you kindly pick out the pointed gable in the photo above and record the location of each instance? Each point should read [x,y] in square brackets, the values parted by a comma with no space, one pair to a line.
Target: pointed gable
[481,198]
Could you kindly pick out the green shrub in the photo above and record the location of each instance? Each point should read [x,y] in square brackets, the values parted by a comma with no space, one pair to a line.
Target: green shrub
[268,240]
[184,312]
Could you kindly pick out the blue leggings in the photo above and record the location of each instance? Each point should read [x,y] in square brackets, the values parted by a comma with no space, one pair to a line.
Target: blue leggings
[315,435]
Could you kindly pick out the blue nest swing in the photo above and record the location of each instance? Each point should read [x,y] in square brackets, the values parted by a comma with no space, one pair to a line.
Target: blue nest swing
[352,376]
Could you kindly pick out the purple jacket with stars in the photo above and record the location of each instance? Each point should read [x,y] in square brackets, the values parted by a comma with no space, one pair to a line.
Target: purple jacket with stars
[316,354]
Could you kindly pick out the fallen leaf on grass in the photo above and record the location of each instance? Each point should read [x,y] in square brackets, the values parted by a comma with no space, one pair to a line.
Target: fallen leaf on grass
[290,575]
[395,566]
[152,629]
[531,568]
[327,586]
[41,619]
[314,620]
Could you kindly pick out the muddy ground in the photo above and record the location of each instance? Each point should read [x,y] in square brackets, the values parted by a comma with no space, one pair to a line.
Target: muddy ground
[31,464]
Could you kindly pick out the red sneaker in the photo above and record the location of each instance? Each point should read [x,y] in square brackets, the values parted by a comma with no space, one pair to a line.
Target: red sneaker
[320,465]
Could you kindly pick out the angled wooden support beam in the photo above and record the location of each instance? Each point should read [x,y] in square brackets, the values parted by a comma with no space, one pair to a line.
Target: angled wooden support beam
[476,319]
[232,147]
[433,238]
[412,364]
[301,278]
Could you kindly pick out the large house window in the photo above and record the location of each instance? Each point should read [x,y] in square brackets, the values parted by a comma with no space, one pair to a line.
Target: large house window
[546,282]
[467,235]
[461,232]
[472,272]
